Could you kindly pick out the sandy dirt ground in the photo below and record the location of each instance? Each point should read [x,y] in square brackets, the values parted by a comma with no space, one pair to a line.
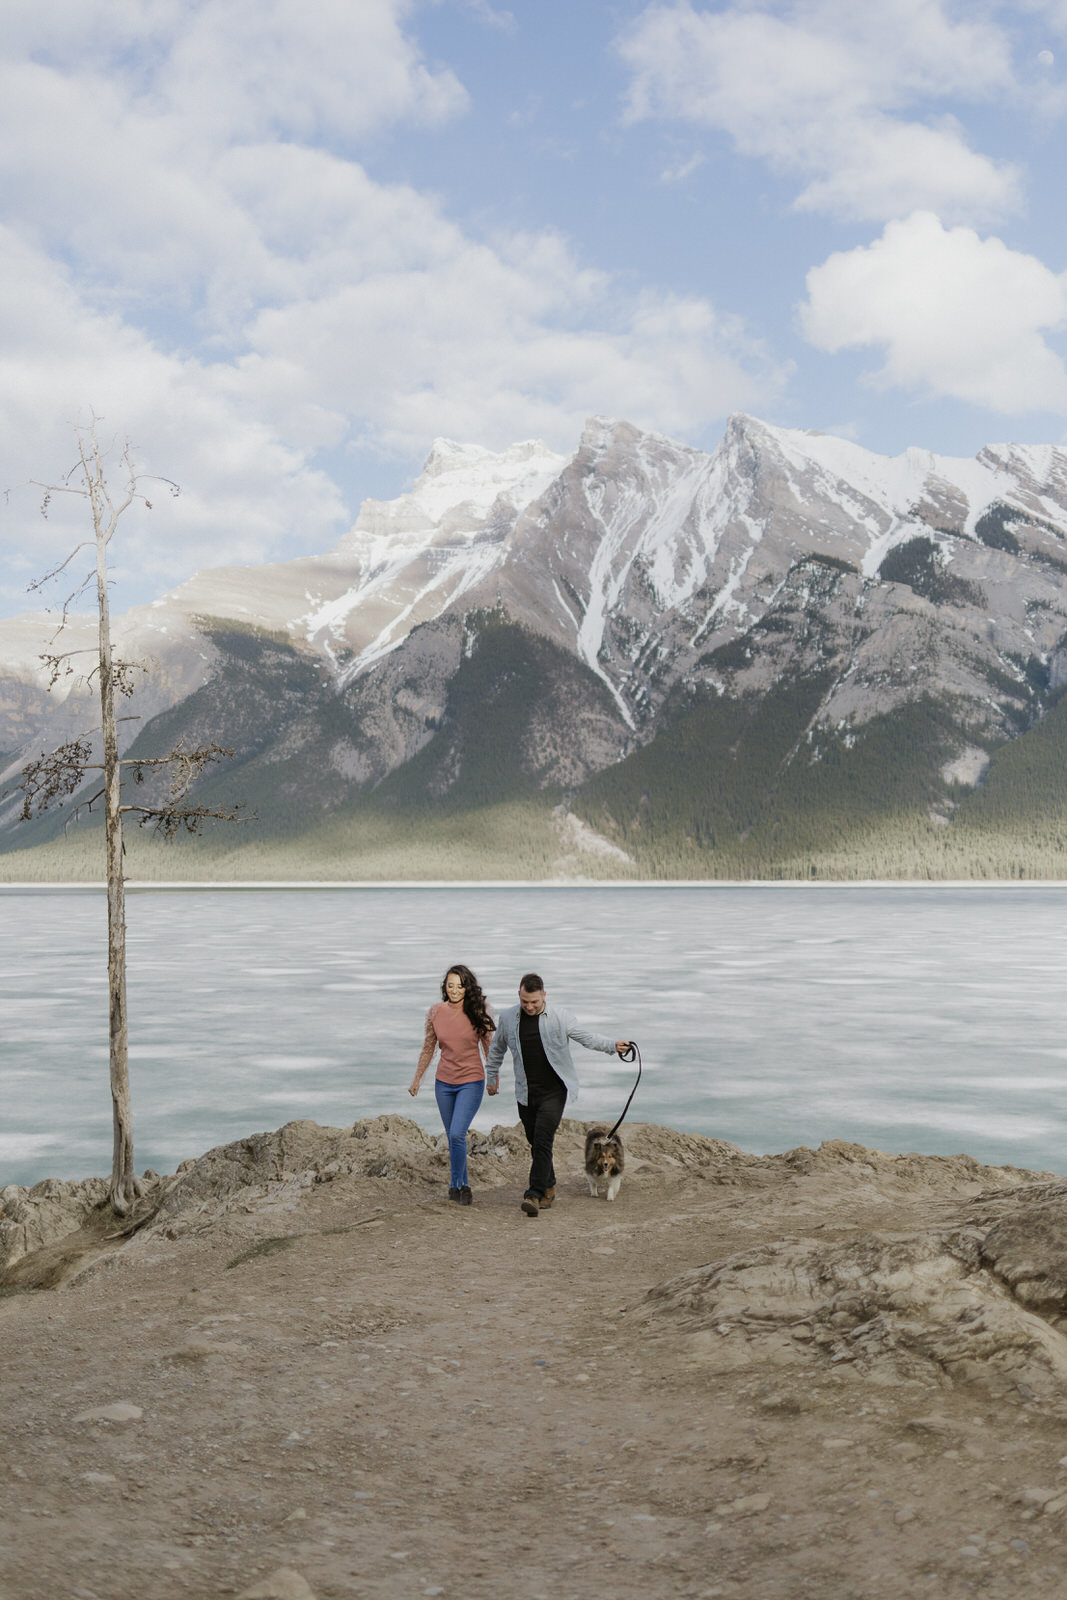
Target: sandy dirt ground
[356,1388]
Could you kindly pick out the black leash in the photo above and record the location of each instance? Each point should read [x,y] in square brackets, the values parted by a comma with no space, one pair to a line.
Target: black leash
[631,1053]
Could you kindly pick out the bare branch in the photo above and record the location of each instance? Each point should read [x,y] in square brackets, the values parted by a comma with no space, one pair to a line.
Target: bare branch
[54,777]
[169,820]
[122,672]
[122,676]
[185,766]
[59,665]
[75,814]
[39,583]
[56,488]
[94,487]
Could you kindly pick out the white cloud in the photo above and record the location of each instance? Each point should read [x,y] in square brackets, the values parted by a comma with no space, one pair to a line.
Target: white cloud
[410,328]
[193,250]
[245,486]
[821,88]
[478,346]
[884,168]
[129,166]
[680,170]
[956,315]
[243,69]
[484,12]
[1054,12]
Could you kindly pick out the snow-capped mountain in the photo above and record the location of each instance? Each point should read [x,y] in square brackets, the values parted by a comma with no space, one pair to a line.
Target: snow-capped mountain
[612,589]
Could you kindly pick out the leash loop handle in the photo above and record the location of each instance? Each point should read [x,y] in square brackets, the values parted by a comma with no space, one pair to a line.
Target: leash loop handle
[631,1053]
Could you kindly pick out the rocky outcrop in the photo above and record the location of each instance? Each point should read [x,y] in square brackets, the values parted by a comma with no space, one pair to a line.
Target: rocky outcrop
[1027,1250]
[32,1218]
[55,1223]
[266,1168]
[888,1175]
[269,1167]
[983,1303]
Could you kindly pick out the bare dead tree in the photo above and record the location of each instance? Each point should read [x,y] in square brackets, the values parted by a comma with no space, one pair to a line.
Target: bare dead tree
[61,774]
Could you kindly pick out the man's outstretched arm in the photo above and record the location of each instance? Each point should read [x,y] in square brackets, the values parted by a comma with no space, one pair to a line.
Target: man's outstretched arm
[596,1041]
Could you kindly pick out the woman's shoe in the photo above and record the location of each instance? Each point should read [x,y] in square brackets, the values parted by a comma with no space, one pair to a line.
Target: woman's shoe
[531,1205]
[456,1195]
[547,1198]
[465,1196]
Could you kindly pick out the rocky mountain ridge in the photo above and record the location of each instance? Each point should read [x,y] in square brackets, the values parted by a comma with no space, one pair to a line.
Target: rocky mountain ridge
[527,625]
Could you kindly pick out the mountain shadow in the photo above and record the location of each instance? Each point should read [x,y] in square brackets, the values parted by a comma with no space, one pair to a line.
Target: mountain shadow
[744,785]
[522,719]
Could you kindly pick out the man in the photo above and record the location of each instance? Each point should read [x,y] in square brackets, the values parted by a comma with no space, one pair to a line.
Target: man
[538,1036]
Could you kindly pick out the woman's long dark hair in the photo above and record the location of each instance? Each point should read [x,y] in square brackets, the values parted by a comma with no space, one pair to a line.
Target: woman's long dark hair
[475,1006]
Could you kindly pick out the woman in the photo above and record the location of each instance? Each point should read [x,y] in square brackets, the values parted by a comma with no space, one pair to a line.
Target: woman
[460,1026]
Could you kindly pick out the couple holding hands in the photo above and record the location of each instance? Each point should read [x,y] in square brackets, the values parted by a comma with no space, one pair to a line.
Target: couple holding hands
[472,1046]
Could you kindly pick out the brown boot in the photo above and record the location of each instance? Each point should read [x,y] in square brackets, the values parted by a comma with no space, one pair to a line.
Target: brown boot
[531,1205]
[548,1197]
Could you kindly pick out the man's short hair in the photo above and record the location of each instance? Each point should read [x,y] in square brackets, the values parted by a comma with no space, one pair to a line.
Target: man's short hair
[531,982]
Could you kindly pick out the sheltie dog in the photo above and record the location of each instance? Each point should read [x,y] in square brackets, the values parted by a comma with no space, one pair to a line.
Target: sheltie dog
[604,1162]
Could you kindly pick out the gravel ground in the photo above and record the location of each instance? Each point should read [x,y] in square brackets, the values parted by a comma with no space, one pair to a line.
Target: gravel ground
[355,1388]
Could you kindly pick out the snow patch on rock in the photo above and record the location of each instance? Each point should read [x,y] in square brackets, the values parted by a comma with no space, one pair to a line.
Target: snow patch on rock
[969,767]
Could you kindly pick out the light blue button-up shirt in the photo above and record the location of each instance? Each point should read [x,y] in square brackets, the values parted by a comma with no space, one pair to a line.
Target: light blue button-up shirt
[557,1027]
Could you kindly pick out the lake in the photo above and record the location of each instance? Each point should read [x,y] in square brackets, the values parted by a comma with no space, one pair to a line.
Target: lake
[908,1018]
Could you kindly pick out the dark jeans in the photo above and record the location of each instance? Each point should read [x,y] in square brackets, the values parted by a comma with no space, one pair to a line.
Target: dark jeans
[540,1119]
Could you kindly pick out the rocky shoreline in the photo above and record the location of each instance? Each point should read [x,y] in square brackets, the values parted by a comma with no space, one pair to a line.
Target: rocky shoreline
[297,1371]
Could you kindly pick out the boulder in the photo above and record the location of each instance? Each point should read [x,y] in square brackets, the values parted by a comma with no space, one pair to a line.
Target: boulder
[31,1219]
[1028,1252]
[982,1304]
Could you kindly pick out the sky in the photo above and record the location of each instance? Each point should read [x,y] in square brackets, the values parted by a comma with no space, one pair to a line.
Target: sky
[283,246]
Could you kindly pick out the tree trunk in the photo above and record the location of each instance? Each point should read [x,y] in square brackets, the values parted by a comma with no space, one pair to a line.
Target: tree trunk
[124,1185]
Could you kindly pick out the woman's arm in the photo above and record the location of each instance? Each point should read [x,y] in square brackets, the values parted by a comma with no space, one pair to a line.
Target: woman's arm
[494,1055]
[429,1045]
[484,1041]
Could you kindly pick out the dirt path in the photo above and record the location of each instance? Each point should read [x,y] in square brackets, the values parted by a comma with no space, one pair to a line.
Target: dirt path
[381,1394]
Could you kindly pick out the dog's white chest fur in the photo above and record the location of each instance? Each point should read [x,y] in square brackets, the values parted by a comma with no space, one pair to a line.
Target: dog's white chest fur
[608,1181]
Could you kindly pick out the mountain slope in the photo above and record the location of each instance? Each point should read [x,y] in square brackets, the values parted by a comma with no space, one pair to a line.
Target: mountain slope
[780,653]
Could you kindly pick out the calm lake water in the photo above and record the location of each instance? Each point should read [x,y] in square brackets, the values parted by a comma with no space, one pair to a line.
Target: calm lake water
[927,1019]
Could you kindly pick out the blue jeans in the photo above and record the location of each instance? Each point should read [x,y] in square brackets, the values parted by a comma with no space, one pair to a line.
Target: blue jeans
[457,1103]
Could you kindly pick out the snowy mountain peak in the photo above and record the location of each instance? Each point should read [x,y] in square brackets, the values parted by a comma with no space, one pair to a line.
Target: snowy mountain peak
[602,436]
[459,485]
[886,495]
[599,434]
[448,455]
[741,428]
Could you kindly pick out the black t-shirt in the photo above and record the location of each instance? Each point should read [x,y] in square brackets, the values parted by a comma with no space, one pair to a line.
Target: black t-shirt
[541,1078]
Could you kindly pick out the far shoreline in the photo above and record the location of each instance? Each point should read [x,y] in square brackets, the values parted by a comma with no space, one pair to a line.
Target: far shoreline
[251,885]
